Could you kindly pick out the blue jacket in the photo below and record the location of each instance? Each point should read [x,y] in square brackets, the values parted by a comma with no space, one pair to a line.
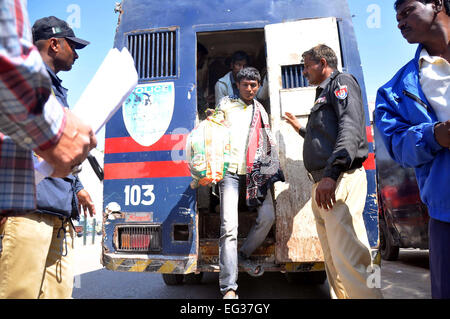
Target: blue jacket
[57,196]
[406,122]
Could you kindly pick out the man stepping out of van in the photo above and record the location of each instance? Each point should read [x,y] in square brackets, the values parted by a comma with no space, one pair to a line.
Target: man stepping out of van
[333,153]
[254,166]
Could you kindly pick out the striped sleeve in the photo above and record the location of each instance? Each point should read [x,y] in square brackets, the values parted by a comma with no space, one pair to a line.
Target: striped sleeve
[25,85]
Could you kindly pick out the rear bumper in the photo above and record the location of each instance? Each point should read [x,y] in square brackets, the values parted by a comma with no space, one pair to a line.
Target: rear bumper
[187,264]
[149,263]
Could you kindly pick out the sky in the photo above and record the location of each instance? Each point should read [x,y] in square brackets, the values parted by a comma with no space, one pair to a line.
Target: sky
[382,48]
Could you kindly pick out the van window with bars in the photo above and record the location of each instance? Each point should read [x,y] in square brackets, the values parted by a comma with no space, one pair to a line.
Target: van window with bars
[292,76]
[154,53]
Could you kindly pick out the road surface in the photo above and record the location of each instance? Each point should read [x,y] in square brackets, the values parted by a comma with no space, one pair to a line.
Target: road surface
[406,278]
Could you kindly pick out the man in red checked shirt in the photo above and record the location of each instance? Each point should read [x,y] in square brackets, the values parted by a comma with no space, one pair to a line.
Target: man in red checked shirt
[31,118]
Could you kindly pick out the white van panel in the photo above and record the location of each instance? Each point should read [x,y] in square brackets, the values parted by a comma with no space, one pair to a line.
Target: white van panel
[296,235]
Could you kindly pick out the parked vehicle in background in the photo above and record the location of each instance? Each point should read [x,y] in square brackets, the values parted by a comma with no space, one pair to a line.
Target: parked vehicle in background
[80,226]
[403,218]
[79,230]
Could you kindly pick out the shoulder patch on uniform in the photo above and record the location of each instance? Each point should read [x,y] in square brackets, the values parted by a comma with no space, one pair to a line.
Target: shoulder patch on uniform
[341,92]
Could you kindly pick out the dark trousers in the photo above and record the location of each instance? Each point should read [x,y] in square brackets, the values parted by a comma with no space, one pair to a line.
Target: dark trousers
[439,234]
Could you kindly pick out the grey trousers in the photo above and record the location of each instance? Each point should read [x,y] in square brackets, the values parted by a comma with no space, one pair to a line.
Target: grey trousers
[228,254]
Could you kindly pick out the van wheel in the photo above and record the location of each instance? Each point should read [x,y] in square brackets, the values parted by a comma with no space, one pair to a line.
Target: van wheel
[193,279]
[388,250]
[173,279]
[308,278]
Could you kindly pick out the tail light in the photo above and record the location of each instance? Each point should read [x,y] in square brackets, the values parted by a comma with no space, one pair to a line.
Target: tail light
[138,238]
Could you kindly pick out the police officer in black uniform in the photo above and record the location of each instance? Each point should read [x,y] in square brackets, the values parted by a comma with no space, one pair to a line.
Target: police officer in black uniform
[334,150]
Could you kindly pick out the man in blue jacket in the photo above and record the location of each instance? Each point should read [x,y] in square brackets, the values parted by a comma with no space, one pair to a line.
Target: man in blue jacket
[59,197]
[413,116]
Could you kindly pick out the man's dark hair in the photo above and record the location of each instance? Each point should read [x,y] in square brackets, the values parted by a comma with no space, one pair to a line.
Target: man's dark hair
[322,51]
[239,56]
[248,73]
[446,4]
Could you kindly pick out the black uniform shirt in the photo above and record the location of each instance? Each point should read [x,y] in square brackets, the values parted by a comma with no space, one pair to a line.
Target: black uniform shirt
[335,135]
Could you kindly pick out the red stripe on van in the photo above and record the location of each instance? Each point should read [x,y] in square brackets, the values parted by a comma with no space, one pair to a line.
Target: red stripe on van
[146,170]
[129,145]
[369,134]
[369,163]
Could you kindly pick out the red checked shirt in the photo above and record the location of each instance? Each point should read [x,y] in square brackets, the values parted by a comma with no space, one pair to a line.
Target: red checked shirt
[25,124]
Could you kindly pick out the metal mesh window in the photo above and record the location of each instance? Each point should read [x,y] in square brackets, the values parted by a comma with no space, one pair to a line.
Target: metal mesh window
[155,54]
[292,76]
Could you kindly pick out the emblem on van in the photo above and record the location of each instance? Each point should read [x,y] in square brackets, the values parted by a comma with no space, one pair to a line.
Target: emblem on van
[148,111]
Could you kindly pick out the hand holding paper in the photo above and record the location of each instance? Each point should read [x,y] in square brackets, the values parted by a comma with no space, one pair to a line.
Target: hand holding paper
[74,144]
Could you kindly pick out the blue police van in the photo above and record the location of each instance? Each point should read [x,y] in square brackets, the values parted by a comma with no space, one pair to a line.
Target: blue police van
[151,217]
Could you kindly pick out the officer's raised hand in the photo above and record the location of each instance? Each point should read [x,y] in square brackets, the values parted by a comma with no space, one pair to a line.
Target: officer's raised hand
[291,119]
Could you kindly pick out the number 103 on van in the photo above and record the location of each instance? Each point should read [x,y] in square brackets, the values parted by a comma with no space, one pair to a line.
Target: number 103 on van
[139,195]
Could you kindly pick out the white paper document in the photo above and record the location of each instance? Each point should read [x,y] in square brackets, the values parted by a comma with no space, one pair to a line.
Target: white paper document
[113,82]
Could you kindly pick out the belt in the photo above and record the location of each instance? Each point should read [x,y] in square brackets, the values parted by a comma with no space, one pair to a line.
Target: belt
[315,176]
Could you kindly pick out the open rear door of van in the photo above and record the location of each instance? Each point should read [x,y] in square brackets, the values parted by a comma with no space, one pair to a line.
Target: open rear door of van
[296,236]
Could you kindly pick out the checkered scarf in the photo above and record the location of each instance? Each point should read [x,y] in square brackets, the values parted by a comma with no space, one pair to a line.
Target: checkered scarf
[262,157]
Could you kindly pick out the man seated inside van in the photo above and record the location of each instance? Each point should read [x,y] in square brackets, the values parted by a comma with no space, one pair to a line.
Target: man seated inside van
[226,86]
